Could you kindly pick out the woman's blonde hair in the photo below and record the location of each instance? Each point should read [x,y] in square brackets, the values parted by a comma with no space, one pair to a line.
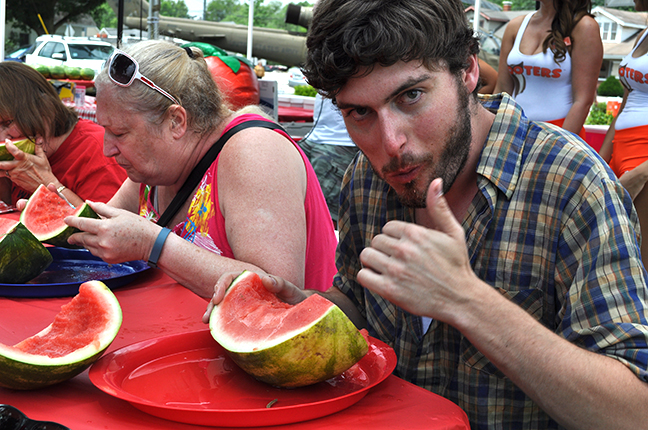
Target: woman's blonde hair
[183,73]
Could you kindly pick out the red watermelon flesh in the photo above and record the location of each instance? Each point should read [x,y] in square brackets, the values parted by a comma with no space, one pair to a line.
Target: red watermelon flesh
[78,324]
[49,214]
[78,336]
[44,215]
[267,317]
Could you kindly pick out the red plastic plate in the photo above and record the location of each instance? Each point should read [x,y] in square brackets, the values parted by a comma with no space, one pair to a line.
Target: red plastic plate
[189,378]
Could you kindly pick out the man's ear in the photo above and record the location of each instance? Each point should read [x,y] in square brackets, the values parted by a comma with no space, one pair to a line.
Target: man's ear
[471,73]
[178,121]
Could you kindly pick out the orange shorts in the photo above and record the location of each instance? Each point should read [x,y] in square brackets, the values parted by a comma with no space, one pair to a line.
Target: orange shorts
[629,149]
[559,123]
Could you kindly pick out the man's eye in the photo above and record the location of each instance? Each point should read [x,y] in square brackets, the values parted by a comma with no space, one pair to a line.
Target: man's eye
[411,95]
[361,111]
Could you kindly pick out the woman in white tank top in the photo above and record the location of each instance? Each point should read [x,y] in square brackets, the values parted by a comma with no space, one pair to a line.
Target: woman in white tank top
[626,143]
[550,62]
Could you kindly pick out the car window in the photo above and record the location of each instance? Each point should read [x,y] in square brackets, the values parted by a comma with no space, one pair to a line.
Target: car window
[47,50]
[52,48]
[90,52]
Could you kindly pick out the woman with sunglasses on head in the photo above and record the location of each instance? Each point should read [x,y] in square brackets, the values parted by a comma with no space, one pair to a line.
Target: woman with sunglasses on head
[258,205]
[625,146]
[550,62]
[69,151]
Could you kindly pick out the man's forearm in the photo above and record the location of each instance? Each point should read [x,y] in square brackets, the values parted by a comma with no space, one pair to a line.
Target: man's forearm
[347,306]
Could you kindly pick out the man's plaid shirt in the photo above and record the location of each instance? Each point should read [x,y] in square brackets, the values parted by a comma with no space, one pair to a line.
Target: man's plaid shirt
[550,228]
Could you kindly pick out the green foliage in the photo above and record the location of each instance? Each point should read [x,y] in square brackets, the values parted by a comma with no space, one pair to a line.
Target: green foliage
[598,115]
[611,87]
[174,8]
[54,13]
[104,16]
[305,90]
[531,4]
[271,15]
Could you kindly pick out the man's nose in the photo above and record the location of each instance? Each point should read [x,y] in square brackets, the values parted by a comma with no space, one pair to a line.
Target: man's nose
[394,138]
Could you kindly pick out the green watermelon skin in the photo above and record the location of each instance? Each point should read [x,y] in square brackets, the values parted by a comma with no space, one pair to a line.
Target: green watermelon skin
[26,145]
[87,74]
[45,206]
[22,255]
[18,375]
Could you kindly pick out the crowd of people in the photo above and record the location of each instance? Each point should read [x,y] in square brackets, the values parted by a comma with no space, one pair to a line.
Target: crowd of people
[479,235]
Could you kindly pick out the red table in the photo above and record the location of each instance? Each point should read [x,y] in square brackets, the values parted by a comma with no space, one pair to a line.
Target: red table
[154,305]
[294,114]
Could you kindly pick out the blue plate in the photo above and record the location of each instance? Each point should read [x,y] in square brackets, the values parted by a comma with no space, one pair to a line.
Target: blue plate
[71,268]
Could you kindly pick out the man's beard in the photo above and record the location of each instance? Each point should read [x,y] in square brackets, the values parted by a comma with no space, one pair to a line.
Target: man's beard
[451,162]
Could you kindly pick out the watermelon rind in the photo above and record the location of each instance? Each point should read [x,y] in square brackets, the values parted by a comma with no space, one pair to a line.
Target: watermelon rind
[21,370]
[26,145]
[320,350]
[56,236]
[22,255]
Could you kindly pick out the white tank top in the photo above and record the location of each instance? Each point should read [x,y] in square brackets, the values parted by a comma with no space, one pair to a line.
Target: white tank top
[542,86]
[633,73]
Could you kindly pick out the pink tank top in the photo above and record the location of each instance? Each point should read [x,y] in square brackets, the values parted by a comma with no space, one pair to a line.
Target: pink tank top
[205,225]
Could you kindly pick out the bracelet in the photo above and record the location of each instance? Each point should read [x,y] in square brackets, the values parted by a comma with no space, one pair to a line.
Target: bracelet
[60,189]
[157,247]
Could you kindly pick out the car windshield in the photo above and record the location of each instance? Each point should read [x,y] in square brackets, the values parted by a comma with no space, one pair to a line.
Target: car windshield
[90,52]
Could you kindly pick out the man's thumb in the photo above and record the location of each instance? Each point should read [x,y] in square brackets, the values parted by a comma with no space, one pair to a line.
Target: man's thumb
[439,211]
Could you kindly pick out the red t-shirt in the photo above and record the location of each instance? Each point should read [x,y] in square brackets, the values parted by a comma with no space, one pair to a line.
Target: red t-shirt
[80,165]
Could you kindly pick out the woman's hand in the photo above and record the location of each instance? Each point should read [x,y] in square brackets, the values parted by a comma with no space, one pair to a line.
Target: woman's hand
[117,237]
[283,289]
[26,170]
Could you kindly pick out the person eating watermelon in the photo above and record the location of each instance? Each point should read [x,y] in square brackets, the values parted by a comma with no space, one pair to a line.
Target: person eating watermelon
[68,154]
[209,189]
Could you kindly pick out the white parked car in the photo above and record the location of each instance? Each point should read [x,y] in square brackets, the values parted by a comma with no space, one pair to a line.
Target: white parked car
[54,50]
[296,77]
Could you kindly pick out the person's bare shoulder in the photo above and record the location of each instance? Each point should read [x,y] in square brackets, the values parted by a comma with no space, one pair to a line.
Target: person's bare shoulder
[585,28]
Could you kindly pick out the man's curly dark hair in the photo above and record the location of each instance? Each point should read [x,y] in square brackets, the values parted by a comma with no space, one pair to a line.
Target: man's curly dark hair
[346,36]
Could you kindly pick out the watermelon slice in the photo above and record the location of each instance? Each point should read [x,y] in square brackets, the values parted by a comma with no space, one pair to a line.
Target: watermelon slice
[45,213]
[282,344]
[77,337]
[22,255]
[25,145]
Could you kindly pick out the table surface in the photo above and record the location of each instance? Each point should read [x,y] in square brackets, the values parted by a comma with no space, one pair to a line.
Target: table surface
[155,305]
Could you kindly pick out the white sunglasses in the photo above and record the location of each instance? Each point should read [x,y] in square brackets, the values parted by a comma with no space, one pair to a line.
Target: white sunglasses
[123,70]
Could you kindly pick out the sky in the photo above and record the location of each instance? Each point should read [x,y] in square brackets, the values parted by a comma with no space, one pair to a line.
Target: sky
[196,6]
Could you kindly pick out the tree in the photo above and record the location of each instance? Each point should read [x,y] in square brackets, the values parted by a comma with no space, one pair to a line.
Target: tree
[54,13]
[104,16]
[531,4]
[218,10]
[272,15]
[176,9]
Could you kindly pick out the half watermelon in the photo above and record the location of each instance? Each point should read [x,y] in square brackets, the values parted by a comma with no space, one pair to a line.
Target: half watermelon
[77,337]
[282,344]
[45,213]
[22,255]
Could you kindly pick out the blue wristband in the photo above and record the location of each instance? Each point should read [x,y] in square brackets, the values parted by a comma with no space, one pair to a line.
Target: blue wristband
[157,247]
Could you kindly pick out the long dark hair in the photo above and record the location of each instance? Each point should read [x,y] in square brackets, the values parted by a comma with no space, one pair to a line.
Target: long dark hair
[568,14]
